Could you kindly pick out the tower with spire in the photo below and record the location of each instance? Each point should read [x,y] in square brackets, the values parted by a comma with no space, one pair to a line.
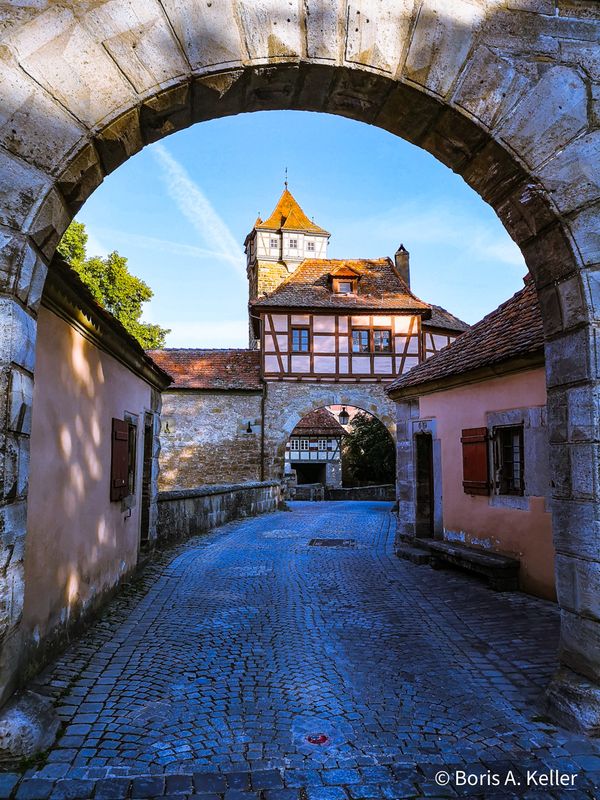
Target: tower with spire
[276,246]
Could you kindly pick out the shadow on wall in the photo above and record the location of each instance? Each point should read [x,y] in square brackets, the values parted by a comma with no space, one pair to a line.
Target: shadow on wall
[79,544]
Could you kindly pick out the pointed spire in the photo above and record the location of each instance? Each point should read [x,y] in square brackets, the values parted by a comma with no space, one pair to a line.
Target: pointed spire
[286,178]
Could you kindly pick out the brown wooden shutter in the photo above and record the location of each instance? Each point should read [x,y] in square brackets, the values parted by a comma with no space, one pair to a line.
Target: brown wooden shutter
[120,460]
[475,461]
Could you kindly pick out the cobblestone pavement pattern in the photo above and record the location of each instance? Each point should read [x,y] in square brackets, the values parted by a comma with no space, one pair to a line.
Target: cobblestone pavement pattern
[206,677]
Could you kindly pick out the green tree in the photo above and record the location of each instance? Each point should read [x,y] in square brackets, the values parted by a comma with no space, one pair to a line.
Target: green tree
[368,452]
[112,285]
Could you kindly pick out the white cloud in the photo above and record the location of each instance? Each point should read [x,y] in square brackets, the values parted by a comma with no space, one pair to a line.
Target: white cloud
[207,333]
[153,243]
[198,210]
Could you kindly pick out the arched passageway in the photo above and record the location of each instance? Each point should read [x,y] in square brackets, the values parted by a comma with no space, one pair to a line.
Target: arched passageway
[505,97]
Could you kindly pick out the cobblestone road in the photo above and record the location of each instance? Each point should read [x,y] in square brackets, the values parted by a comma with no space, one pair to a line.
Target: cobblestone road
[207,676]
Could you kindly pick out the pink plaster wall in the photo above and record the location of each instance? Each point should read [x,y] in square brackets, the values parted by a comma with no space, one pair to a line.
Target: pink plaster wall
[78,542]
[525,534]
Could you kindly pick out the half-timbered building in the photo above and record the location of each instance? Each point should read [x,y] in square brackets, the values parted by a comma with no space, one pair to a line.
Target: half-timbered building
[346,320]
[323,332]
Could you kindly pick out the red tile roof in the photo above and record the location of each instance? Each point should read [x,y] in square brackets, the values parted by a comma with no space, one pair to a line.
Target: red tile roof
[513,330]
[289,216]
[379,287]
[317,423]
[211,369]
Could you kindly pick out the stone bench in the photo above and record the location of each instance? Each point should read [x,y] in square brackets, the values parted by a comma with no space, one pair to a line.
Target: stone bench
[502,572]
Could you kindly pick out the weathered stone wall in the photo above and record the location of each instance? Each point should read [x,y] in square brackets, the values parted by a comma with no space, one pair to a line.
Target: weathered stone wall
[204,438]
[507,94]
[188,512]
[370,493]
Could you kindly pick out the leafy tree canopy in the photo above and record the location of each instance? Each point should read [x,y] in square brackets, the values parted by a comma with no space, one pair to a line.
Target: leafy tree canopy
[113,286]
[368,452]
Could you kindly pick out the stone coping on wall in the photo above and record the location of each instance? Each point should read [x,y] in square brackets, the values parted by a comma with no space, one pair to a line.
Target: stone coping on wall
[221,488]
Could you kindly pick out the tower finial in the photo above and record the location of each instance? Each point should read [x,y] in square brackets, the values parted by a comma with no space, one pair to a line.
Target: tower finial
[286,178]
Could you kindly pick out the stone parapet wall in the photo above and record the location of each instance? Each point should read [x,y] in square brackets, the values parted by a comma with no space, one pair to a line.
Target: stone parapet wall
[372,493]
[188,512]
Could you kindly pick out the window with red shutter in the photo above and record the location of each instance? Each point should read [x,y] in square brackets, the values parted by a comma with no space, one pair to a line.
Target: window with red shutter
[476,479]
[119,470]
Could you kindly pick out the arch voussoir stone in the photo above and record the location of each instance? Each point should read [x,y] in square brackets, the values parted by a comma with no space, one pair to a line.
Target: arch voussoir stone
[507,95]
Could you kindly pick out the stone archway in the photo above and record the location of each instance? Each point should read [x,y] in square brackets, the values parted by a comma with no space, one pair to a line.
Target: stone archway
[287,403]
[507,97]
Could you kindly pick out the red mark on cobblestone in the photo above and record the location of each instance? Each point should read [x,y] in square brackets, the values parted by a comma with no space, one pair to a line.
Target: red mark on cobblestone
[317,738]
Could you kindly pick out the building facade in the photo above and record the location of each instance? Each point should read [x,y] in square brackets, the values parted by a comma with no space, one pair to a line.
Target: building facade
[322,332]
[94,460]
[473,464]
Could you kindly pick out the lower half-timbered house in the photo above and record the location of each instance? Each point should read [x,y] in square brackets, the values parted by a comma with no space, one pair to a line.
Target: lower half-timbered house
[314,450]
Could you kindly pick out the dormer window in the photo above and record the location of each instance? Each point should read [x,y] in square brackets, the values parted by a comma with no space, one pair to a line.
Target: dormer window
[344,286]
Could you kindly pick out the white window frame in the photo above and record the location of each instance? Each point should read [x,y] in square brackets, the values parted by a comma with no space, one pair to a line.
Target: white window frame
[294,444]
[304,444]
[273,244]
[310,246]
[322,444]
[293,244]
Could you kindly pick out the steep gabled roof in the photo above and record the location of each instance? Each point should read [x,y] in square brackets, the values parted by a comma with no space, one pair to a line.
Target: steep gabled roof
[512,332]
[211,369]
[319,423]
[289,216]
[380,287]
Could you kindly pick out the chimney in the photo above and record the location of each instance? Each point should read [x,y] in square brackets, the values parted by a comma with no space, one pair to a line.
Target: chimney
[402,259]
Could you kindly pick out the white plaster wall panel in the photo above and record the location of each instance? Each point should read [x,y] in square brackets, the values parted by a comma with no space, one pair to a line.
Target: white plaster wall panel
[324,324]
[343,344]
[385,322]
[271,28]
[300,319]
[492,84]
[280,322]
[552,114]
[441,42]
[282,342]
[64,58]
[271,364]
[378,32]
[269,343]
[300,363]
[324,28]
[343,364]
[409,363]
[343,324]
[209,32]
[402,324]
[32,125]
[361,366]
[383,365]
[358,322]
[324,344]
[324,364]
[139,39]
[285,362]
[440,341]
[572,176]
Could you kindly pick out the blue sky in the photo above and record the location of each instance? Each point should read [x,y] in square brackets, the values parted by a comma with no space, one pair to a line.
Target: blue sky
[180,211]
